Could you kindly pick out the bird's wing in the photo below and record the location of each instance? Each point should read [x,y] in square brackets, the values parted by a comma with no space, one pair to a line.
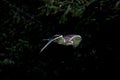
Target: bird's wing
[50,41]
[67,38]
[75,36]
[76,40]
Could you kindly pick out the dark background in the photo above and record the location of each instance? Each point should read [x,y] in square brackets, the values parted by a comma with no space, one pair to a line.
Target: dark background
[24,25]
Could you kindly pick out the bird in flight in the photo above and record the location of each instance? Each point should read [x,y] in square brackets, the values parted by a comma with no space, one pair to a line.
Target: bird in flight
[66,40]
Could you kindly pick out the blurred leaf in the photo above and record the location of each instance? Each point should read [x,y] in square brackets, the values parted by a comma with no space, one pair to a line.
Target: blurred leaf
[7,61]
[117,5]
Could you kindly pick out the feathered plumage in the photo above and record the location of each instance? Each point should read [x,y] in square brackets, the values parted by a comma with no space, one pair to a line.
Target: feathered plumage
[66,40]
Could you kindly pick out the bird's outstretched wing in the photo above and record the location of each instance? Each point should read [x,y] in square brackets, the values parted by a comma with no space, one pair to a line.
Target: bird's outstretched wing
[73,39]
[50,41]
[76,40]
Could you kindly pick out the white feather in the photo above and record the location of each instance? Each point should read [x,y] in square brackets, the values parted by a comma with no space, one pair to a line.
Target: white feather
[51,40]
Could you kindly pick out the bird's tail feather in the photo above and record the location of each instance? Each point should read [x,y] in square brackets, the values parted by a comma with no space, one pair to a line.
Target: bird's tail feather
[45,46]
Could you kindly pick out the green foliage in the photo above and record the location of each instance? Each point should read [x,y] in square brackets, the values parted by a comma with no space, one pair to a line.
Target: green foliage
[66,7]
[117,5]
[7,62]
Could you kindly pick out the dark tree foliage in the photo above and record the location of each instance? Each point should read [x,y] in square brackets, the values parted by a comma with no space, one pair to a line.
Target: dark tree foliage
[25,23]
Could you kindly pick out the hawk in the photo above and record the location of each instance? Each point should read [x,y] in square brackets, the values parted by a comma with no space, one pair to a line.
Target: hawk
[66,40]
